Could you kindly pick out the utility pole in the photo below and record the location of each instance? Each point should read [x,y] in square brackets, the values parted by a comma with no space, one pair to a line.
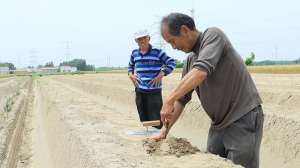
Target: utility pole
[159,41]
[68,51]
[19,61]
[276,52]
[33,57]
[192,13]
[108,61]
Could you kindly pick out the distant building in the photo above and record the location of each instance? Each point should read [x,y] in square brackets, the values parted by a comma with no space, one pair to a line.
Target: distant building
[48,70]
[4,70]
[67,69]
[22,71]
[32,69]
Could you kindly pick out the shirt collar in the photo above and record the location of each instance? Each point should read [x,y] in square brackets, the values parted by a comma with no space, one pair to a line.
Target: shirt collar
[149,49]
[196,47]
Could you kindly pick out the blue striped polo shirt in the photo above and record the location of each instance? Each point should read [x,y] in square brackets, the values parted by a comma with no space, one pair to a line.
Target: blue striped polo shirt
[148,66]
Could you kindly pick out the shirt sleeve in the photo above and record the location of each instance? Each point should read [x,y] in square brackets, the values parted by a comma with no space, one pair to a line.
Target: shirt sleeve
[131,64]
[187,97]
[211,52]
[168,62]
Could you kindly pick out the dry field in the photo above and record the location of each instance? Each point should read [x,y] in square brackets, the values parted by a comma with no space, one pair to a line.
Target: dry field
[13,92]
[80,121]
[276,69]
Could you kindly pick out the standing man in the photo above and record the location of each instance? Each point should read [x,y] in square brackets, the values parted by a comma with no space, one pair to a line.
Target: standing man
[225,88]
[147,67]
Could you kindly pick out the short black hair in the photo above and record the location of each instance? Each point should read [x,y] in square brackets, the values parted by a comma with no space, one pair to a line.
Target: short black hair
[174,21]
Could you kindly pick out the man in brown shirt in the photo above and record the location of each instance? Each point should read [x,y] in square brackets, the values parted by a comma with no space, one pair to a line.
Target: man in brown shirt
[224,86]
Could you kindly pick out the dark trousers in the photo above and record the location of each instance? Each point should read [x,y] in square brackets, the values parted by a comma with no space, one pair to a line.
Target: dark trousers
[148,106]
[239,142]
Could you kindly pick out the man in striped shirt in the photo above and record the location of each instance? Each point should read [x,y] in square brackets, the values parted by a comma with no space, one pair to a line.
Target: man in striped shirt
[147,67]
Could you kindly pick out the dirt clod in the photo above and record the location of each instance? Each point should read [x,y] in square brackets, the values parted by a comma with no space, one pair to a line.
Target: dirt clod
[171,146]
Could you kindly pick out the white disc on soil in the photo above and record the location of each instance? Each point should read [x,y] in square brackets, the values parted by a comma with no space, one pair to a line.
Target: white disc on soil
[142,132]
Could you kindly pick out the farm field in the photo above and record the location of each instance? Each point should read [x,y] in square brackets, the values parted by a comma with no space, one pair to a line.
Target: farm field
[82,120]
[13,93]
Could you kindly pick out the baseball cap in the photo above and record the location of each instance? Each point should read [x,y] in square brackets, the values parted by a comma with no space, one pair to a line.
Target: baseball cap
[141,33]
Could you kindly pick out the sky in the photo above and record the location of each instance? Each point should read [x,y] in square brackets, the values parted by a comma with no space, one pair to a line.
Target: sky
[33,32]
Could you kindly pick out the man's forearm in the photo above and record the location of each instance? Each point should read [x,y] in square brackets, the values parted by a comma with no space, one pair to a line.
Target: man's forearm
[190,81]
[178,109]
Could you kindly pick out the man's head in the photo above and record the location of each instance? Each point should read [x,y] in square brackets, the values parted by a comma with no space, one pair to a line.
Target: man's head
[142,38]
[179,30]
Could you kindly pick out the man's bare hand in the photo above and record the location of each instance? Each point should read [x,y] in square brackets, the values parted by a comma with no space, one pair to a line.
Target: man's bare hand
[166,112]
[157,80]
[162,135]
[134,80]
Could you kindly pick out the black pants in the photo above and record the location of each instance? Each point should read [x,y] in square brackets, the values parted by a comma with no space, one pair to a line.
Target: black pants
[148,106]
[239,142]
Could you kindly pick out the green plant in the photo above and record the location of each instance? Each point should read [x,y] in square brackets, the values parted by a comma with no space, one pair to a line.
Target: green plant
[8,104]
[179,64]
[18,91]
[250,60]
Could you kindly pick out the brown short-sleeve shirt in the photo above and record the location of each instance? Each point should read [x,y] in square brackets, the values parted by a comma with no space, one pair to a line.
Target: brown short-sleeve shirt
[229,92]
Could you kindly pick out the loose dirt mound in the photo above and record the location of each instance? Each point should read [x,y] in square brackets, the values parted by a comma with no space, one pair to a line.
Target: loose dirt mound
[170,146]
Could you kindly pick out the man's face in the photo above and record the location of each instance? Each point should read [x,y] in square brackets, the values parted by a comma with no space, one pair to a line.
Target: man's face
[180,42]
[143,42]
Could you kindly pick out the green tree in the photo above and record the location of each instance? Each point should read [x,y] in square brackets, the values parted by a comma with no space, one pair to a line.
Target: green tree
[49,64]
[252,55]
[250,60]
[179,64]
[11,66]
[90,68]
[80,64]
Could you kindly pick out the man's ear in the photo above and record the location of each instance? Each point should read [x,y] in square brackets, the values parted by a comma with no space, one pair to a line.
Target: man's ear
[184,30]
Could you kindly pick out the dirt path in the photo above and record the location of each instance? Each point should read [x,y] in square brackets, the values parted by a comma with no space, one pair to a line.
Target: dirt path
[41,151]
